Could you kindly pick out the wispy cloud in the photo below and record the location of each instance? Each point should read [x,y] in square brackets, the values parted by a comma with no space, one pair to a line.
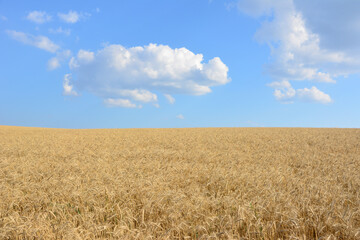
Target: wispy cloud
[3,18]
[41,42]
[55,62]
[39,17]
[124,103]
[170,98]
[180,116]
[60,30]
[72,16]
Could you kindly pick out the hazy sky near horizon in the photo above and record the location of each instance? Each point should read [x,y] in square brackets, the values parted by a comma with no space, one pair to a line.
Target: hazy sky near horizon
[161,63]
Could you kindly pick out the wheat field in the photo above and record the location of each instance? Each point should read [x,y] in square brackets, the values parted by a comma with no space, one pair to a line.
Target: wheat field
[201,183]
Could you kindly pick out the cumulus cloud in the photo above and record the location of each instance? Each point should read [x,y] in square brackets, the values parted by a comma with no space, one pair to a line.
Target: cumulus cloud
[284,92]
[136,73]
[84,57]
[68,88]
[313,94]
[41,42]
[303,45]
[170,98]
[60,30]
[72,16]
[39,17]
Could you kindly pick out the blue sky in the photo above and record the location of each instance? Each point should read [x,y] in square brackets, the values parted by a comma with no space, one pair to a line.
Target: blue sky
[135,64]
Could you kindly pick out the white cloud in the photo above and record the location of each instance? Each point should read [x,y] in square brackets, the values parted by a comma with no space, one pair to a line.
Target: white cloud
[295,49]
[125,103]
[138,95]
[55,62]
[170,98]
[41,42]
[68,88]
[72,16]
[135,73]
[341,30]
[65,54]
[39,17]
[302,44]
[85,56]
[60,30]
[313,94]
[284,92]
[3,18]
[180,116]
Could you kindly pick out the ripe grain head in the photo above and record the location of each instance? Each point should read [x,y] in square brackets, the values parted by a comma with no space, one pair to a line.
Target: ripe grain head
[218,183]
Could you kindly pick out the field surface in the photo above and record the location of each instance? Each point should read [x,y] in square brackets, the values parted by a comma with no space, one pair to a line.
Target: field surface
[210,183]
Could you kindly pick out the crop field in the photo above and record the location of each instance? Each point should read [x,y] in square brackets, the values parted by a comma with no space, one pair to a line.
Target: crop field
[201,183]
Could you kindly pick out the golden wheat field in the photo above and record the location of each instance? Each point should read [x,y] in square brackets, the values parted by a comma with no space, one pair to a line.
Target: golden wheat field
[209,183]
